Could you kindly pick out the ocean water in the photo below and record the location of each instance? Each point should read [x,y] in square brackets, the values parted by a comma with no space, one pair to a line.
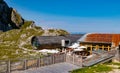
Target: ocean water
[77,33]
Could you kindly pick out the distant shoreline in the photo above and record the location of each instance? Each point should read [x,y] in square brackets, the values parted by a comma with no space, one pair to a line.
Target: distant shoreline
[77,33]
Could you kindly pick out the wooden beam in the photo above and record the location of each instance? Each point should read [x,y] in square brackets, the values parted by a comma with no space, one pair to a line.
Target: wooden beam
[91,49]
[97,47]
[102,47]
[108,47]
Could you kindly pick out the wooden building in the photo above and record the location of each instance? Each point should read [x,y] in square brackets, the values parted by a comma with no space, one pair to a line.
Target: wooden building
[94,41]
[49,42]
[53,42]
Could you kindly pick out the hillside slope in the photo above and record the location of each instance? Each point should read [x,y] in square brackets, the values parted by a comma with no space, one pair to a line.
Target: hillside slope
[16,43]
[16,34]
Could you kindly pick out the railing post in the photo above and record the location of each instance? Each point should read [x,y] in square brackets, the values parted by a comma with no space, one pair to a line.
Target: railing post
[81,61]
[25,64]
[65,57]
[53,59]
[8,67]
[73,58]
[38,62]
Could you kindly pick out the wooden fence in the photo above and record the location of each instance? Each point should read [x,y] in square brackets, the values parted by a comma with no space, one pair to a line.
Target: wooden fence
[99,58]
[9,66]
[74,59]
[23,64]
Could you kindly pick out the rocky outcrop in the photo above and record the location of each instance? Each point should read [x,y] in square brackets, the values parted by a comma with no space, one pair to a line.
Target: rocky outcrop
[16,19]
[4,16]
[9,18]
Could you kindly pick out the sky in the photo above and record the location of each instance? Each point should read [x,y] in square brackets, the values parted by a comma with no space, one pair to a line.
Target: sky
[86,16]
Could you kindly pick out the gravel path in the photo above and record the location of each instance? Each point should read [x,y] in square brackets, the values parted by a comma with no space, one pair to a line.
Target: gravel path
[56,68]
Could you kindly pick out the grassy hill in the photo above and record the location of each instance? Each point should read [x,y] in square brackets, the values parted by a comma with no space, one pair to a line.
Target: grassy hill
[16,43]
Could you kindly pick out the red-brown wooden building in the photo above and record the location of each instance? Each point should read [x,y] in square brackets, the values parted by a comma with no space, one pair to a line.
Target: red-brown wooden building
[102,41]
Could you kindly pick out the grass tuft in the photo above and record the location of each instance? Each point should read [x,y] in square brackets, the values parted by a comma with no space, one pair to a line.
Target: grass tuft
[94,69]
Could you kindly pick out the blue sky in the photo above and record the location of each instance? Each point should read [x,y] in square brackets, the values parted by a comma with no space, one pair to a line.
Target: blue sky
[72,15]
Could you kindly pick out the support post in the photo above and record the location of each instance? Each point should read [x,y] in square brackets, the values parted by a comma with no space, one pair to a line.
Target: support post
[25,64]
[108,48]
[81,62]
[102,47]
[96,47]
[8,67]
[65,57]
[38,62]
[53,59]
[91,49]
[73,59]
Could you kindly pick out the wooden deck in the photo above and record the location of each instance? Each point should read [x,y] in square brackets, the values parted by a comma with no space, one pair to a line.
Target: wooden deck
[55,68]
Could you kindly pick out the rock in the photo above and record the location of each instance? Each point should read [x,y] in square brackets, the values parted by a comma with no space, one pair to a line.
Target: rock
[4,16]
[9,18]
[55,32]
[16,18]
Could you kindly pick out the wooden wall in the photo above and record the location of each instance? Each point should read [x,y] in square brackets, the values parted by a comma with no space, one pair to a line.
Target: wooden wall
[116,39]
[110,38]
[49,46]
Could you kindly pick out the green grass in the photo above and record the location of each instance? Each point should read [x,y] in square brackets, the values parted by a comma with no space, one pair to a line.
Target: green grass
[10,41]
[115,64]
[26,24]
[94,69]
[105,68]
[118,64]
[62,32]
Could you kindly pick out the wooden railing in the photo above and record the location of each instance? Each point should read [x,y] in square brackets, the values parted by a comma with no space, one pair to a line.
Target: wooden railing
[23,64]
[99,58]
[74,59]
